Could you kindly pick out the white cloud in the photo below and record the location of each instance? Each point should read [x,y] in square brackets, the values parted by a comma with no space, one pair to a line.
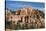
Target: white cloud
[29,0]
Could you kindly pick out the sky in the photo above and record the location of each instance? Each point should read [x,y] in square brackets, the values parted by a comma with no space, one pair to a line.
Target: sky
[14,5]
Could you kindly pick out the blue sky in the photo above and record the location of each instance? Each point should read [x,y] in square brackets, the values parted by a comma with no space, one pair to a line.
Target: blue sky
[13,5]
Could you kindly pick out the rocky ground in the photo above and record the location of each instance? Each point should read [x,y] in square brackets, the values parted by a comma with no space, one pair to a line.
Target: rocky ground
[37,19]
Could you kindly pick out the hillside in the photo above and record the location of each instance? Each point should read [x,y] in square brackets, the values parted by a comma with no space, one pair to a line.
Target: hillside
[29,11]
[34,18]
